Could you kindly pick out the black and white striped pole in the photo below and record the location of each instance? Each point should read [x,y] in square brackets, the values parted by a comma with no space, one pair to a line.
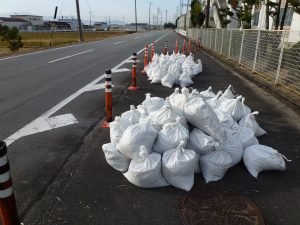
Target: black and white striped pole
[166,48]
[8,207]
[108,99]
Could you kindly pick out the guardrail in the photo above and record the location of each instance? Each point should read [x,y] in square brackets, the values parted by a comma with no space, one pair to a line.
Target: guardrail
[272,54]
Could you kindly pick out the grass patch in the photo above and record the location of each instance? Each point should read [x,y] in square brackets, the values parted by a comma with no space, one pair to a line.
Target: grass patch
[37,40]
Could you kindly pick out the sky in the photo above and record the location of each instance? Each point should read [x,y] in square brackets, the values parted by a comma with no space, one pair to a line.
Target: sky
[100,9]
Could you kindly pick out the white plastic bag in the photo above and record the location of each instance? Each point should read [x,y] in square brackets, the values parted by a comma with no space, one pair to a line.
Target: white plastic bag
[207,94]
[164,115]
[135,136]
[215,164]
[170,136]
[179,100]
[200,142]
[133,115]
[233,107]
[250,122]
[117,128]
[197,68]
[246,136]
[201,115]
[227,94]
[178,166]
[145,172]
[114,158]
[259,158]
[152,104]
[185,79]
[233,146]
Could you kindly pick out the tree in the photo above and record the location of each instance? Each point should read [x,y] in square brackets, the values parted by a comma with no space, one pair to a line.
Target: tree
[244,12]
[223,13]
[295,4]
[170,25]
[197,16]
[12,37]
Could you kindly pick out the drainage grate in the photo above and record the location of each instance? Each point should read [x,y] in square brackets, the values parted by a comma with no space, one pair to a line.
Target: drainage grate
[213,208]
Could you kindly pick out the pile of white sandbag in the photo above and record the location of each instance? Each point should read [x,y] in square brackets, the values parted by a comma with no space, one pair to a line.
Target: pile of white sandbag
[173,69]
[165,141]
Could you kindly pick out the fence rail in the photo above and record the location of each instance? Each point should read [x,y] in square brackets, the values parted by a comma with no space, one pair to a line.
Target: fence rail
[272,54]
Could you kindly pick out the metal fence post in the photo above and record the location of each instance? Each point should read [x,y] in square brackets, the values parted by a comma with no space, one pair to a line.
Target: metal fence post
[206,38]
[221,52]
[241,51]
[229,50]
[280,57]
[256,50]
[216,35]
[210,39]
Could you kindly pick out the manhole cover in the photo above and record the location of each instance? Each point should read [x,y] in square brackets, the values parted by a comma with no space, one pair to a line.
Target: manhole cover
[212,208]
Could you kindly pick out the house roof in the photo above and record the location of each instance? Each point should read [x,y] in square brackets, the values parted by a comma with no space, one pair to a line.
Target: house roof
[25,15]
[9,19]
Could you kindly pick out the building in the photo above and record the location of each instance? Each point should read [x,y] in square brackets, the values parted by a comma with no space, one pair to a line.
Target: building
[140,26]
[34,22]
[14,22]
[101,26]
[72,22]
[56,25]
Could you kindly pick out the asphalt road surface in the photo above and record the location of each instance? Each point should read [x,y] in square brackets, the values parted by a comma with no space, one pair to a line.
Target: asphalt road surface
[51,99]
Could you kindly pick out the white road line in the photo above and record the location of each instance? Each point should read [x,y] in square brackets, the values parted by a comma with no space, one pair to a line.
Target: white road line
[80,53]
[136,37]
[120,42]
[45,118]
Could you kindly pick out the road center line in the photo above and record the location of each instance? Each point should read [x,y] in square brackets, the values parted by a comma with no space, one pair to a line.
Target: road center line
[80,53]
[14,137]
[120,42]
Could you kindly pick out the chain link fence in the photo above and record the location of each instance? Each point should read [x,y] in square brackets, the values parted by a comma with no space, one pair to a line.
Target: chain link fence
[272,54]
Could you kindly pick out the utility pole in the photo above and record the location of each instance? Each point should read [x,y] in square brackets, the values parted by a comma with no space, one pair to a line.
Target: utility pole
[166,16]
[79,21]
[153,20]
[157,17]
[149,15]
[90,12]
[135,16]
[161,16]
[207,14]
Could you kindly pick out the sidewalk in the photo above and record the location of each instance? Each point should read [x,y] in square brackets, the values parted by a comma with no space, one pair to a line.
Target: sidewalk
[89,192]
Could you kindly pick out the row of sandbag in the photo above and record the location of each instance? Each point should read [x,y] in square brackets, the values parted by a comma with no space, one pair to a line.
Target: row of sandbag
[173,69]
[223,132]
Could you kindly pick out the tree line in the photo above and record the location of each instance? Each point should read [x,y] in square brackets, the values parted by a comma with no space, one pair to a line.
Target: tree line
[243,12]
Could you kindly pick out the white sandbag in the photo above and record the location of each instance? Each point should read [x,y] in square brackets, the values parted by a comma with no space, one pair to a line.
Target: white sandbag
[246,136]
[233,146]
[164,115]
[250,122]
[178,102]
[201,143]
[201,115]
[233,107]
[152,104]
[145,172]
[225,119]
[170,136]
[215,164]
[213,101]
[157,75]
[227,94]
[133,115]
[247,110]
[197,68]
[173,96]
[258,158]
[194,94]
[185,79]
[114,158]
[117,128]
[169,80]
[178,166]
[135,136]
[207,94]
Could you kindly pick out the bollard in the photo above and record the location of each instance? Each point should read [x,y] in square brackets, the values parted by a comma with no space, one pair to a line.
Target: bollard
[133,86]
[152,50]
[166,48]
[176,46]
[183,47]
[145,59]
[108,99]
[8,207]
[189,47]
